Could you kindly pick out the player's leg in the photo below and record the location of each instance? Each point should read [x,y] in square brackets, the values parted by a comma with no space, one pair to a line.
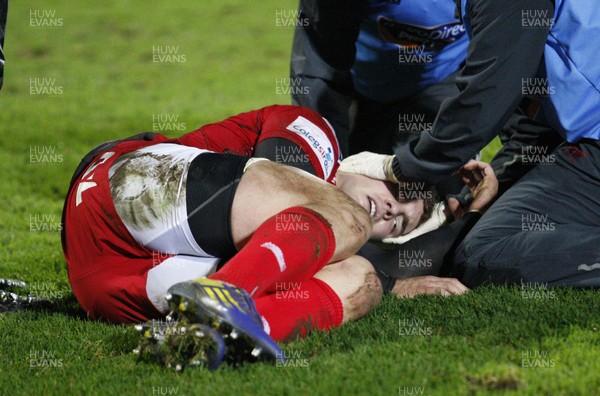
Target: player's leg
[355,282]
[309,221]
[542,230]
[297,222]
[339,293]
[290,225]
[209,209]
[268,188]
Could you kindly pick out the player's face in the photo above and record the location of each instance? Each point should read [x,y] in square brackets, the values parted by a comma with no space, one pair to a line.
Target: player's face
[391,217]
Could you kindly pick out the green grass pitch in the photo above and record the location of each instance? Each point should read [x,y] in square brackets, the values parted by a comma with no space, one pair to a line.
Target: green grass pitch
[81,72]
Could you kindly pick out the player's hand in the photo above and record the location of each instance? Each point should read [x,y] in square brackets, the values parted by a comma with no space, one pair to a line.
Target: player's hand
[411,287]
[481,180]
[375,166]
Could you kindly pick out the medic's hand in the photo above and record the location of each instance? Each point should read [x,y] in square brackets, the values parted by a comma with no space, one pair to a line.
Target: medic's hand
[375,166]
[481,180]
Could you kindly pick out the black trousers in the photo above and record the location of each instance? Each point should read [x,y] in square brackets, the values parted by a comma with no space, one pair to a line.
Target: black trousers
[544,229]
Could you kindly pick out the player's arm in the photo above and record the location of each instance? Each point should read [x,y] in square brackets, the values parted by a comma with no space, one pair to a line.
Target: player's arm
[235,135]
[299,137]
[323,52]
[433,251]
[415,267]
[290,135]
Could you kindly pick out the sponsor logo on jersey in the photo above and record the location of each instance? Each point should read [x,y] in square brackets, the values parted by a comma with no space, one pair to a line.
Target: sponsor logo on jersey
[411,36]
[317,139]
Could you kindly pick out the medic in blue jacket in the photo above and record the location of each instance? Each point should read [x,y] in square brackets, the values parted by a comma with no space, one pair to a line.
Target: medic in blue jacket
[546,228]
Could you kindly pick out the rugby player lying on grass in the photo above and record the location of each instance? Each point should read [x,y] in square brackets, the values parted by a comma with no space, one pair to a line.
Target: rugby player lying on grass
[196,220]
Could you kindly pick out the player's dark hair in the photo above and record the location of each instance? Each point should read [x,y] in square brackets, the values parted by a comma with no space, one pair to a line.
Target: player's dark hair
[429,204]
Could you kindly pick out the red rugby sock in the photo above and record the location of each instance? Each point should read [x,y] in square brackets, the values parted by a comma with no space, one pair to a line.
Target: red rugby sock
[292,245]
[305,306]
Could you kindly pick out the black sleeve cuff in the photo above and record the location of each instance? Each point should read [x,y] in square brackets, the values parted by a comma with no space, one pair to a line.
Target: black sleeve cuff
[387,282]
[464,197]
[397,170]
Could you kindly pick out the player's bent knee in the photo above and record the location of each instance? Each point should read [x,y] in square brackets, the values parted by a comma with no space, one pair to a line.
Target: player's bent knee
[355,282]
[359,220]
[351,229]
[253,204]
[351,223]
[267,188]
